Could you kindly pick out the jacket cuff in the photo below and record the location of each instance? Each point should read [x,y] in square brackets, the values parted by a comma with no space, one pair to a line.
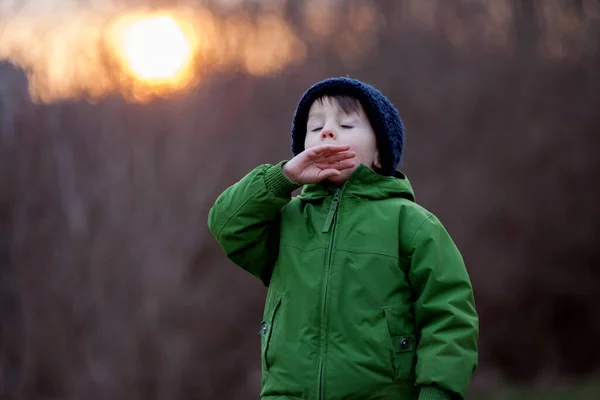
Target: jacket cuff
[433,393]
[278,183]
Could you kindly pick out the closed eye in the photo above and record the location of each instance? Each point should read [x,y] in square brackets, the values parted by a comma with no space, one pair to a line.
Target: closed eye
[316,129]
[347,126]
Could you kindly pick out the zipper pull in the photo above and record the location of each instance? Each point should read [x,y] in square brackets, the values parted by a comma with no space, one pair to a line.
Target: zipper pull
[332,211]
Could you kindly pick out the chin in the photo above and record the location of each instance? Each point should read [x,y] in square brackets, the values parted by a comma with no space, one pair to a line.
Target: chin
[338,180]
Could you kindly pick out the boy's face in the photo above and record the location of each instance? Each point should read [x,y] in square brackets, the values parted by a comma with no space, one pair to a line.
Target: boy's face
[328,123]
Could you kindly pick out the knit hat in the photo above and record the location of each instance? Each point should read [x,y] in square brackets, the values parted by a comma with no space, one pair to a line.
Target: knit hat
[382,114]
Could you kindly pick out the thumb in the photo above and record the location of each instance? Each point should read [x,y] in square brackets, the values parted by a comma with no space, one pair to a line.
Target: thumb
[328,173]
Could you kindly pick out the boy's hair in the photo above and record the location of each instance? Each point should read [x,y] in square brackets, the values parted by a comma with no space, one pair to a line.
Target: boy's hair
[348,104]
[350,95]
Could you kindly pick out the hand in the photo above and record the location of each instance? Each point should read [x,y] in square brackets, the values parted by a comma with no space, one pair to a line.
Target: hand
[319,163]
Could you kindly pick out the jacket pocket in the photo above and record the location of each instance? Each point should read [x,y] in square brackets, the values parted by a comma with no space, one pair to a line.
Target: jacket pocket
[267,328]
[402,344]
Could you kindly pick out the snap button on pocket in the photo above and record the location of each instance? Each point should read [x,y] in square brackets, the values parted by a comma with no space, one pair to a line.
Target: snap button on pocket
[266,330]
[404,343]
[263,329]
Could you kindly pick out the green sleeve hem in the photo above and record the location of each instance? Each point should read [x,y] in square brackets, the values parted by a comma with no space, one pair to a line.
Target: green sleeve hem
[278,183]
[433,393]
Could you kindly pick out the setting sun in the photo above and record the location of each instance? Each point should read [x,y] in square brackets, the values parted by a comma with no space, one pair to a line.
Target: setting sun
[157,48]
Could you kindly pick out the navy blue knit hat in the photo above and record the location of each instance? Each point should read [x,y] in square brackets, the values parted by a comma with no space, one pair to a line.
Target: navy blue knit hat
[382,114]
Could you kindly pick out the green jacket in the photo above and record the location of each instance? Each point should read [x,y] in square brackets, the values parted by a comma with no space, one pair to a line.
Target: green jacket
[368,297]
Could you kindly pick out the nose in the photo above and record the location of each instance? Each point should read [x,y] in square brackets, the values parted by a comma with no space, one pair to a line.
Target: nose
[327,134]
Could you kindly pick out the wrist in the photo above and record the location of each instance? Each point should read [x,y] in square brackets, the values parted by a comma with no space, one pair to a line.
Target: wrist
[278,182]
[286,172]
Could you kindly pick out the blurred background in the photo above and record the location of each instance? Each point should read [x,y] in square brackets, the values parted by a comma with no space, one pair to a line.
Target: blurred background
[121,122]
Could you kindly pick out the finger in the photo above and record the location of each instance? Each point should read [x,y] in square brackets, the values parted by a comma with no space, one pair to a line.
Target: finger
[330,148]
[340,156]
[340,165]
[332,157]
[328,173]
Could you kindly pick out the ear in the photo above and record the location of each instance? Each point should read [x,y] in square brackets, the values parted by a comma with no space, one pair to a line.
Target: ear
[377,163]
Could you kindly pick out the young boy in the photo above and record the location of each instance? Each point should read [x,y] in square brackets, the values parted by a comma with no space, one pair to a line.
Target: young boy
[368,296]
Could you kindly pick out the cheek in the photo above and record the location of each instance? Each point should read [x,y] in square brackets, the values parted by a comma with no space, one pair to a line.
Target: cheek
[310,140]
[365,151]
[370,146]
[364,147]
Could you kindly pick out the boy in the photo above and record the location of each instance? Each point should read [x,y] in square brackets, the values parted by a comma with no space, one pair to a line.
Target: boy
[368,297]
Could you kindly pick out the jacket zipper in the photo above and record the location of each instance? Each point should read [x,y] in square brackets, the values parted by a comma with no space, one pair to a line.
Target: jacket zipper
[329,225]
[332,211]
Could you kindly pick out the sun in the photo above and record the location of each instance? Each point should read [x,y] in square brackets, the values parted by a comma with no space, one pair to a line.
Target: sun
[156,48]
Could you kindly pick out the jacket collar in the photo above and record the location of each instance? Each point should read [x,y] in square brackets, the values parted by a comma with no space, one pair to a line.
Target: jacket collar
[363,183]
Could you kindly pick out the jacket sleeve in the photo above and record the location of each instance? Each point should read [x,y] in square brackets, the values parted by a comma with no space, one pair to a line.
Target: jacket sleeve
[245,219]
[445,315]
